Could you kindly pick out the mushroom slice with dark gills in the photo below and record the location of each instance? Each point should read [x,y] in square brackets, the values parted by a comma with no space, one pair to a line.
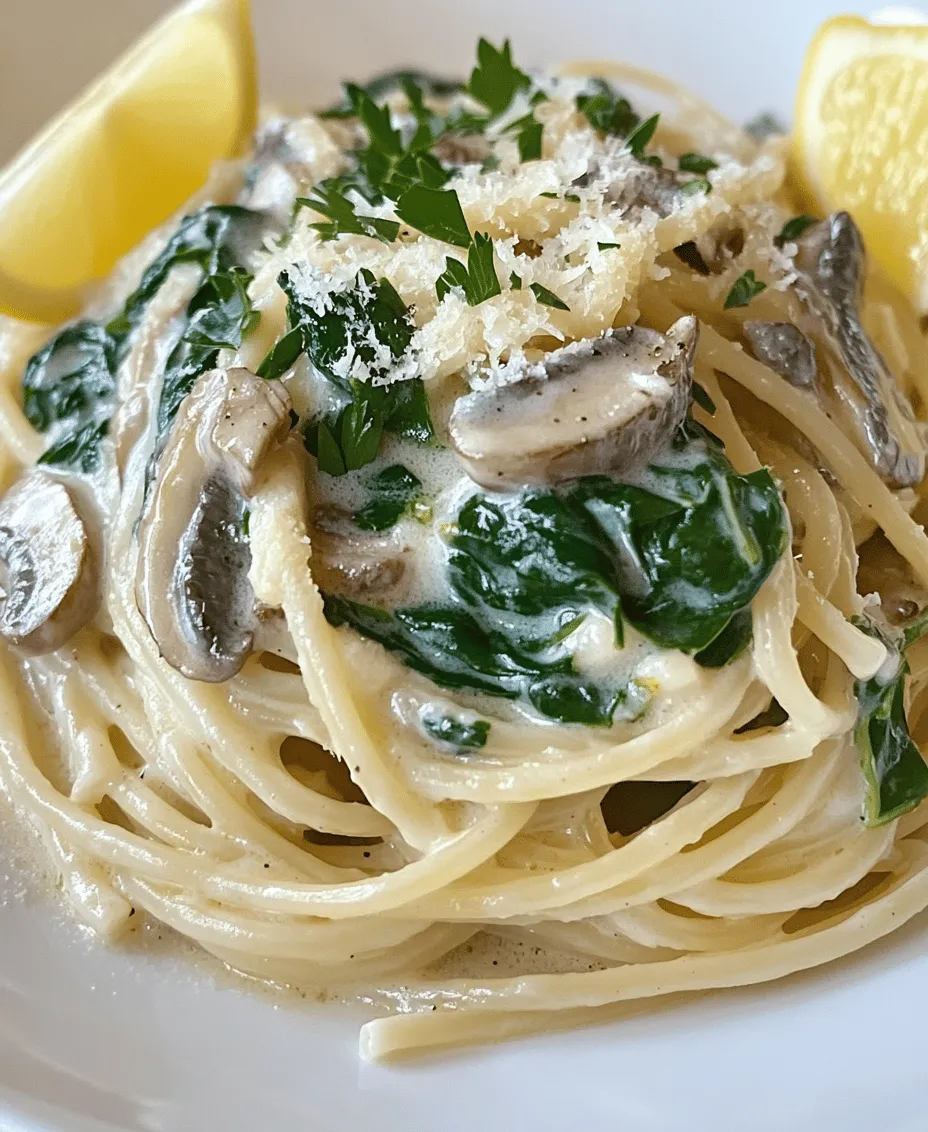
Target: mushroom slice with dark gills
[603,405]
[354,563]
[51,588]
[192,583]
[786,350]
[830,264]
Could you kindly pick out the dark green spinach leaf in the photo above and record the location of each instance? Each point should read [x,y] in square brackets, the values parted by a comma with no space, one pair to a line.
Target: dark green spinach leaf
[393,489]
[219,315]
[458,734]
[216,238]
[71,383]
[534,555]
[894,771]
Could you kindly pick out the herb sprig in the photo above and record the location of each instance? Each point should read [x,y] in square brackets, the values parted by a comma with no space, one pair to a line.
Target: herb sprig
[478,280]
[745,288]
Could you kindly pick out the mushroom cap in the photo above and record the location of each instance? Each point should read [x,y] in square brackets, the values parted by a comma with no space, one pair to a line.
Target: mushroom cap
[603,405]
[785,349]
[192,583]
[52,588]
[831,263]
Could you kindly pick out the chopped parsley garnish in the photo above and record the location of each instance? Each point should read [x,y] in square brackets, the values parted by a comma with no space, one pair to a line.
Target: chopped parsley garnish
[697,185]
[365,327]
[528,137]
[543,295]
[604,247]
[793,229]
[515,281]
[641,135]
[436,213]
[744,289]
[329,198]
[496,80]
[490,164]
[550,196]
[478,280]
[695,163]
[606,111]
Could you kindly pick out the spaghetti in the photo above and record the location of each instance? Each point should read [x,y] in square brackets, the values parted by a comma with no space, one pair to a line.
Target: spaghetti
[289,677]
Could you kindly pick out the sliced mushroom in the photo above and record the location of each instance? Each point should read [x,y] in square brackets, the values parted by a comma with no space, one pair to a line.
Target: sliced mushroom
[192,583]
[51,587]
[785,349]
[350,562]
[647,186]
[463,149]
[289,153]
[830,264]
[602,405]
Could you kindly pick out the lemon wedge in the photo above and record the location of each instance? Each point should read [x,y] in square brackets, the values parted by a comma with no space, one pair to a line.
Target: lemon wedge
[124,156]
[861,139]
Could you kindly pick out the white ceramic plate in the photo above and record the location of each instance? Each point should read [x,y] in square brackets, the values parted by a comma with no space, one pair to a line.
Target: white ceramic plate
[94,1039]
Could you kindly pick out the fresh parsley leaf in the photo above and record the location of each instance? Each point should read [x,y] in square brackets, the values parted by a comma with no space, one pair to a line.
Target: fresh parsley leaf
[572,197]
[458,734]
[282,355]
[793,229]
[367,326]
[393,489]
[407,411]
[329,199]
[376,120]
[606,111]
[436,213]
[515,281]
[390,81]
[744,289]
[697,185]
[641,135]
[528,137]
[894,771]
[695,163]
[496,80]
[550,196]
[478,279]
[604,247]
[543,295]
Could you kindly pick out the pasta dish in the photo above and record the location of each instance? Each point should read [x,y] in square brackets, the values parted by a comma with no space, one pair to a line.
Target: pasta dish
[471,560]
